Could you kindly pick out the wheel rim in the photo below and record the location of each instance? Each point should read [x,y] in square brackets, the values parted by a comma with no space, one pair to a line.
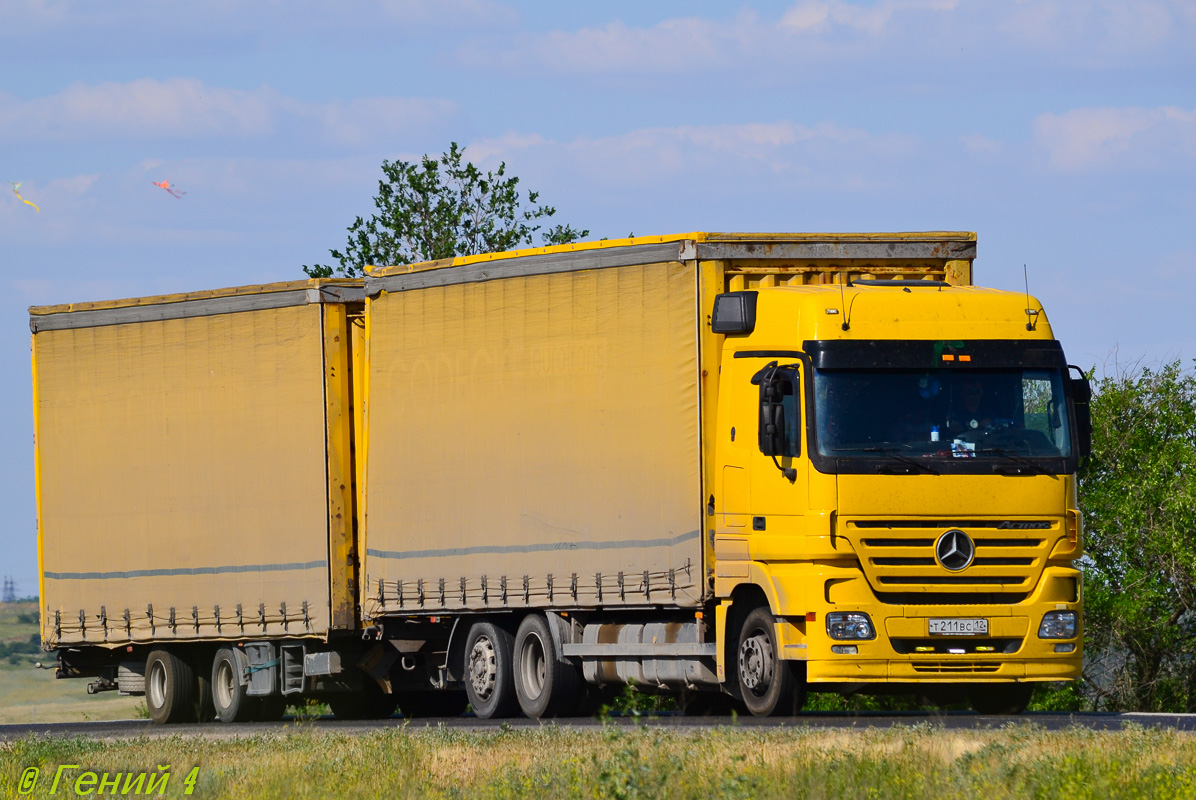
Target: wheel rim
[483,668]
[225,685]
[155,688]
[756,663]
[533,666]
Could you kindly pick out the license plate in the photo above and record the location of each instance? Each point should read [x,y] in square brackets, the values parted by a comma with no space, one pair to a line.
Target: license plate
[958,627]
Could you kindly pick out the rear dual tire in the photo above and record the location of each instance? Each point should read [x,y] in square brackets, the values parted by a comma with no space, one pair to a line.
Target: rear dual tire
[489,672]
[174,692]
[230,698]
[546,684]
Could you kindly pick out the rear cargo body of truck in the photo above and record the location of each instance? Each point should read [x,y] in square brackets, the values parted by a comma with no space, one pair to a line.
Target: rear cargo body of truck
[731,467]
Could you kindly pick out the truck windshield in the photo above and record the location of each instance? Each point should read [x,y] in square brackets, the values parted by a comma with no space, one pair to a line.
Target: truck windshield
[1010,414]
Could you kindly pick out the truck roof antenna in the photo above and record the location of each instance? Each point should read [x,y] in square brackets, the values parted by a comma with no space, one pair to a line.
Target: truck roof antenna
[1031,314]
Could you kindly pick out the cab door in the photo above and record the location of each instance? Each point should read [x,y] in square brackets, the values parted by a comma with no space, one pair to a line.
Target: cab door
[779,470]
[734,443]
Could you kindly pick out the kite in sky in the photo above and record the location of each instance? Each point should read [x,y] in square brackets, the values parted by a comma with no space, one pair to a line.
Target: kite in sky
[15,188]
[172,191]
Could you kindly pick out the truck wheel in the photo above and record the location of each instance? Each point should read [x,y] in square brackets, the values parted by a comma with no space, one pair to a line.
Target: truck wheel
[228,693]
[1000,698]
[489,682]
[769,685]
[546,685]
[170,688]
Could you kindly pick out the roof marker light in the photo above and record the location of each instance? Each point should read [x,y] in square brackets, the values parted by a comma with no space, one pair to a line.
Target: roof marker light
[965,358]
[948,357]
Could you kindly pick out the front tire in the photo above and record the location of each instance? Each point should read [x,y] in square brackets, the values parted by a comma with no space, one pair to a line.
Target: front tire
[546,685]
[170,689]
[768,685]
[489,679]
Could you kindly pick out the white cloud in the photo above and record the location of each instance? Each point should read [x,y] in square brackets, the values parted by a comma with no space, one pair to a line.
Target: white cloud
[210,20]
[814,35]
[977,143]
[187,108]
[1116,25]
[1086,139]
[827,155]
[672,46]
[871,19]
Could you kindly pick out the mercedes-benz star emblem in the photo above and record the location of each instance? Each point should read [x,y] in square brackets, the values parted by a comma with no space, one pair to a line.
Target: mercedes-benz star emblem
[955,550]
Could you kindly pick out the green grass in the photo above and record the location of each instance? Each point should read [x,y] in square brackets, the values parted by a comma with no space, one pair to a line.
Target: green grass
[28,694]
[18,621]
[922,762]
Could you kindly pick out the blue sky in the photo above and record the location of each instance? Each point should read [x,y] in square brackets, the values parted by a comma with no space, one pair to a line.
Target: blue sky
[1063,133]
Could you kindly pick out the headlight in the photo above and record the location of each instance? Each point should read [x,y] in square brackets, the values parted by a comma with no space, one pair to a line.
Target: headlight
[1058,625]
[849,625]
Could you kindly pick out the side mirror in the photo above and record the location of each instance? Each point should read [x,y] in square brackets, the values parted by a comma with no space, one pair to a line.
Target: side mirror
[734,312]
[1081,399]
[778,388]
[772,420]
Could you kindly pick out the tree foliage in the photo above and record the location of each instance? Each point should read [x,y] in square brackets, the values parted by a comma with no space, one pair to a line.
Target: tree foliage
[440,208]
[1138,495]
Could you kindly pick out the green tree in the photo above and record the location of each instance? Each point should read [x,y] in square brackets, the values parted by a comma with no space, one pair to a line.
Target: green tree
[1138,495]
[441,208]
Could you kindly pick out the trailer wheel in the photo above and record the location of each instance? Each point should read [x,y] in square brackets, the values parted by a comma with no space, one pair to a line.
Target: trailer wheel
[1000,698]
[170,688]
[489,681]
[228,693]
[769,685]
[546,685]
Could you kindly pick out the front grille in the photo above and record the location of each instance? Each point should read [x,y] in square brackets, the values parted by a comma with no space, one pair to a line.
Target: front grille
[954,666]
[999,524]
[951,598]
[952,580]
[898,555]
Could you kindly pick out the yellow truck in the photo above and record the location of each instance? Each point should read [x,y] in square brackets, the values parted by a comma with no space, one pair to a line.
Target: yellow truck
[731,467]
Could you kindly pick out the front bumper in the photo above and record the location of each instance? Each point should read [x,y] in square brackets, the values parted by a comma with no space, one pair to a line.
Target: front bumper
[904,651]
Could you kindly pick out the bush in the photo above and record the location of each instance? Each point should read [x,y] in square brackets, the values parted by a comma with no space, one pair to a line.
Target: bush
[1138,497]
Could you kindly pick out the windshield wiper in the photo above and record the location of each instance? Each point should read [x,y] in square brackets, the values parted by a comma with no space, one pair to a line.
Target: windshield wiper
[893,452]
[1012,456]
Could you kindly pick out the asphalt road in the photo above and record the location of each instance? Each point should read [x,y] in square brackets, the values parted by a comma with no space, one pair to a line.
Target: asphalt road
[953,720]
